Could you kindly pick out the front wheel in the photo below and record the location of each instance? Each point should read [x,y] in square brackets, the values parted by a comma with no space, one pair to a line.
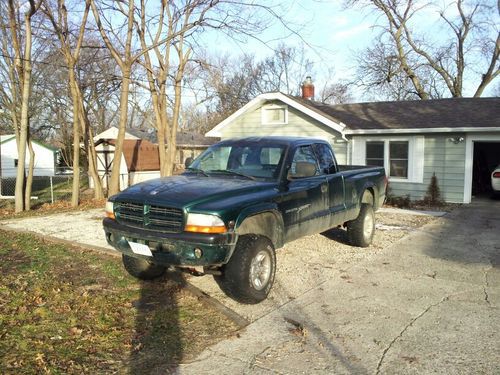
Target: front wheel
[361,230]
[141,268]
[249,274]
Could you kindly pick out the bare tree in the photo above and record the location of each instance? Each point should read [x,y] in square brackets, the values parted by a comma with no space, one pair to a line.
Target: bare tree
[22,71]
[125,59]
[70,48]
[169,41]
[406,55]
[336,93]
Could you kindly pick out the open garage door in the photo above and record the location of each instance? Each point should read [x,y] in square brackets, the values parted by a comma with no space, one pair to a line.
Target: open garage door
[485,158]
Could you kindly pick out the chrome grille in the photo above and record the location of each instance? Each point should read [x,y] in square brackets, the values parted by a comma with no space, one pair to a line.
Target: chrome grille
[167,219]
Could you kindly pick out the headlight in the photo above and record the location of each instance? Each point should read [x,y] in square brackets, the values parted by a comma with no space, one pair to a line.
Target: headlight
[109,210]
[202,223]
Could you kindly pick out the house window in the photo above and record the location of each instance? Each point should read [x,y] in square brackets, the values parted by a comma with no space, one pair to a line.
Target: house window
[375,153]
[393,155]
[398,159]
[16,161]
[274,114]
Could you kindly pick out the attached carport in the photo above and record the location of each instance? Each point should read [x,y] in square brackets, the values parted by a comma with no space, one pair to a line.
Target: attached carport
[482,154]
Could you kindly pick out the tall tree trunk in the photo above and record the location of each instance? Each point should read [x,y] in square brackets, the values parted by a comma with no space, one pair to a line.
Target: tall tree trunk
[23,131]
[91,156]
[29,178]
[75,191]
[114,184]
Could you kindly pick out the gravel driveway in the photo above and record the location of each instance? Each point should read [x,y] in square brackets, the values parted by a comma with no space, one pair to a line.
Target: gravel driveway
[301,265]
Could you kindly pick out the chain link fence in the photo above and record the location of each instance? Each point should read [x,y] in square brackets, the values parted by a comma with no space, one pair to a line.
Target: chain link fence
[44,189]
[52,188]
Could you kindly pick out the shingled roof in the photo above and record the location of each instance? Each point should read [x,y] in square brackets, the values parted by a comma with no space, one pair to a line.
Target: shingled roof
[416,114]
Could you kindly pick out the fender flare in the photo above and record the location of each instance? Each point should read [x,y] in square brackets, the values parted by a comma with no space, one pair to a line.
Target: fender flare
[263,220]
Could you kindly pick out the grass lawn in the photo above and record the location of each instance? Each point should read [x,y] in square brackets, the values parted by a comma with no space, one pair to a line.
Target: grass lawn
[70,311]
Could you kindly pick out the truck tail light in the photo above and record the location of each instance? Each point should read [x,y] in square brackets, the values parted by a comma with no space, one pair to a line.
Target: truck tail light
[496,175]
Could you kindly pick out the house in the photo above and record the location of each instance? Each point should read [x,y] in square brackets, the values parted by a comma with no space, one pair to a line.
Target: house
[45,158]
[190,145]
[456,139]
[140,159]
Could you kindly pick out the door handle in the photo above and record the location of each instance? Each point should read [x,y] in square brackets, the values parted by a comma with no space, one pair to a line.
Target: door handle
[324,188]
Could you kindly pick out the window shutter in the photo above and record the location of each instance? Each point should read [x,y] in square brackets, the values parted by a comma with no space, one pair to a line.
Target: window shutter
[418,159]
[358,151]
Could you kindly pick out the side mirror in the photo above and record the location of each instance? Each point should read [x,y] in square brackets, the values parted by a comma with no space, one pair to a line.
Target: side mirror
[188,162]
[303,169]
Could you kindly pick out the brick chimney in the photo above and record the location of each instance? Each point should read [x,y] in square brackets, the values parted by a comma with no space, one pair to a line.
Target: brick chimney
[308,89]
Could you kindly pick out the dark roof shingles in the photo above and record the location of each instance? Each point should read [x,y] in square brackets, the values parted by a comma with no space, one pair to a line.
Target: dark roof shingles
[419,114]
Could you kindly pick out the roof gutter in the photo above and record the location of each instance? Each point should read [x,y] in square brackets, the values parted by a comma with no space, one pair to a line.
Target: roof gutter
[421,130]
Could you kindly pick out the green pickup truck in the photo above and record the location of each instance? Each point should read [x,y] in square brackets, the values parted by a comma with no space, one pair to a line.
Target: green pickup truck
[235,204]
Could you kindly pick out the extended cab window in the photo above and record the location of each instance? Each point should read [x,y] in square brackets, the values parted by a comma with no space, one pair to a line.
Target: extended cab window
[325,158]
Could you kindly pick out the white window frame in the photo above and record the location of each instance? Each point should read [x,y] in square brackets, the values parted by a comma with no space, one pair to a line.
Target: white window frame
[415,155]
[269,107]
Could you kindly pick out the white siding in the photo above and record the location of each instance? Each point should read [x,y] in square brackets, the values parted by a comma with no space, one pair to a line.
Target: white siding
[44,159]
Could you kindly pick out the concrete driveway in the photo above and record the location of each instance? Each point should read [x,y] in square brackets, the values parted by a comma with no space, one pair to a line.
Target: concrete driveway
[428,303]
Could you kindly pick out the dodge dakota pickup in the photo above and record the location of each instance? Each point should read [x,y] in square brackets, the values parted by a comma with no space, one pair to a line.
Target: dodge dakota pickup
[235,204]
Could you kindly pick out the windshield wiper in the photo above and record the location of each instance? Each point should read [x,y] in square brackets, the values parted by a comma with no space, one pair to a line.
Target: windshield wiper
[197,170]
[234,173]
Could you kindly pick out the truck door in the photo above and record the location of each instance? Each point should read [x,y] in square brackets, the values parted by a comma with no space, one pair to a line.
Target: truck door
[304,203]
[336,185]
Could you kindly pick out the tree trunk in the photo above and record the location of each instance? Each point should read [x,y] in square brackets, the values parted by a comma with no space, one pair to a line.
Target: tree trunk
[29,179]
[114,184]
[92,157]
[23,131]
[75,191]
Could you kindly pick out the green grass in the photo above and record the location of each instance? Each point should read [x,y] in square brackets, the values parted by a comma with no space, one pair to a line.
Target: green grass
[75,311]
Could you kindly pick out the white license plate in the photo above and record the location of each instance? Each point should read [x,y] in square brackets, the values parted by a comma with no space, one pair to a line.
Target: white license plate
[141,249]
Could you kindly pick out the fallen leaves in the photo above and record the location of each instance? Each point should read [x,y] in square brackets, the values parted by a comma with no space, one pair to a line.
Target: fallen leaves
[70,311]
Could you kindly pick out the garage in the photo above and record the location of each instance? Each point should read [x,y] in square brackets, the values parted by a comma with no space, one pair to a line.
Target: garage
[485,158]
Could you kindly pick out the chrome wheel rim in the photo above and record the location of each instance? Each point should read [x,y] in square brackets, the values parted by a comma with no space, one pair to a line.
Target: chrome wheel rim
[260,270]
[368,226]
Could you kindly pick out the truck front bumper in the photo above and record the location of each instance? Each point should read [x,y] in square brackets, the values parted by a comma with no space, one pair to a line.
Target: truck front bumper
[176,249]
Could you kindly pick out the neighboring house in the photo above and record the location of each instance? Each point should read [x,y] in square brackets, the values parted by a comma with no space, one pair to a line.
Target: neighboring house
[45,157]
[139,161]
[140,158]
[457,139]
[112,133]
[190,145]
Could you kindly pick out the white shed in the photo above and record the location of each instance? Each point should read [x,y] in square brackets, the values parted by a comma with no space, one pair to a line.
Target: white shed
[45,157]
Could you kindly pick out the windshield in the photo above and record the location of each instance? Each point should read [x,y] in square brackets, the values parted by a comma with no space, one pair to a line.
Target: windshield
[252,160]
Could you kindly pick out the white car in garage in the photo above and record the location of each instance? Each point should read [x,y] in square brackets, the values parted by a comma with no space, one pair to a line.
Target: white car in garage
[495,180]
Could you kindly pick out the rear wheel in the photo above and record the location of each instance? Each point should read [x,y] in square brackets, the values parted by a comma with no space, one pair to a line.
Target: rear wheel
[249,274]
[141,268]
[361,230]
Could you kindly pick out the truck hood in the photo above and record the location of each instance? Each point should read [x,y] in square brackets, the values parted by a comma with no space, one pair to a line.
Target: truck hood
[190,190]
